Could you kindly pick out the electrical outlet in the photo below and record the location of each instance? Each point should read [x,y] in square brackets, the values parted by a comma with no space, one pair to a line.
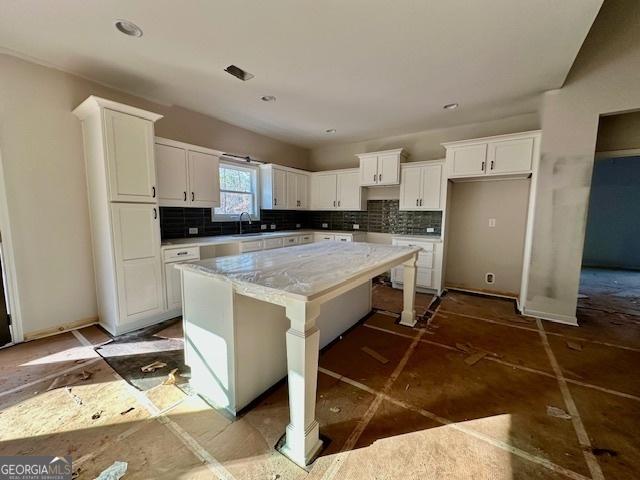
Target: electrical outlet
[490,278]
[193,230]
[273,226]
[356,226]
[430,229]
[492,222]
[325,225]
[263,227]
[298,225]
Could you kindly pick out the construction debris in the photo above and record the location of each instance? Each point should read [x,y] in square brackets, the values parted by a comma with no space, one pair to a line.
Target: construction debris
[97,415]
[171,378]
[74,397]
[574,346]
[375,355]
[582,295]
[335,409]
[152,367]
[127,410]
[115,472]
[557,413]
[69,379]
[475,358]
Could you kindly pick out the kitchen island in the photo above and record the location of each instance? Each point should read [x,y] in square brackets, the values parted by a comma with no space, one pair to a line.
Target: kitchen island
[251,319]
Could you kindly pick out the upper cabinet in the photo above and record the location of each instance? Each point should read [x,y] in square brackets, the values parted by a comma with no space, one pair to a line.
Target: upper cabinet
[381,168]
[337,190]
[284,188]
[421,186]
[504,155]
[188,176]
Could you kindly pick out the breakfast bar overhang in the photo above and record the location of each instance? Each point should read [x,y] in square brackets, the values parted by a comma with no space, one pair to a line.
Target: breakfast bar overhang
[236,310]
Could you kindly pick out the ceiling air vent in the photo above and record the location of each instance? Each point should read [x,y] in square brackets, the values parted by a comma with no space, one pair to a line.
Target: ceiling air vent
[238,73]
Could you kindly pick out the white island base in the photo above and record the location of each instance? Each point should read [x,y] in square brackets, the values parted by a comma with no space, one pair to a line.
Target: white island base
[251,319]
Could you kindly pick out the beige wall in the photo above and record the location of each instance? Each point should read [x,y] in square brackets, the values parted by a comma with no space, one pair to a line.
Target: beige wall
[604,79]
[41,149]
[619,132]
[421,145]
[474,248]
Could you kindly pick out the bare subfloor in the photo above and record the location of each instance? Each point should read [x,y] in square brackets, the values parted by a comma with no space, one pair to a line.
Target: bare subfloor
[430,412]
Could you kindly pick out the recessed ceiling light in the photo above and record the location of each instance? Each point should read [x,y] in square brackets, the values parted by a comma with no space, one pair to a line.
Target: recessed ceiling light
[450,106]
[239,73]
[268,98]
[330,130]
[128,28]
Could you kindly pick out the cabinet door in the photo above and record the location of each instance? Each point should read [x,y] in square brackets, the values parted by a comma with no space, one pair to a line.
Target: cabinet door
[343,238]
[171,164]
[136,232]
[204,180]
[173,287]
[388,169]
[320,237]
[292,190]
[130,160]
[431,187]
[349,193]
[279,189]
[369,170]
[467,161]
[324,192]
[510,156]
[303,190]
[410,188]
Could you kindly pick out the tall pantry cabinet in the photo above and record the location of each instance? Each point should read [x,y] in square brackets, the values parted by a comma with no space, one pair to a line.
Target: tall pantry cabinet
[123,206]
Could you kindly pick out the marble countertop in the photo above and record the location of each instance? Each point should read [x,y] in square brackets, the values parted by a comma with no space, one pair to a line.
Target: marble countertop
[304,272]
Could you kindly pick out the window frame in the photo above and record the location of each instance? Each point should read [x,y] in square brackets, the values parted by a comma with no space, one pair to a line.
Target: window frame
[255,173]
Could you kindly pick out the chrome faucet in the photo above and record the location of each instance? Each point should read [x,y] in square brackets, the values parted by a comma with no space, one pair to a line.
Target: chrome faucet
[240,220]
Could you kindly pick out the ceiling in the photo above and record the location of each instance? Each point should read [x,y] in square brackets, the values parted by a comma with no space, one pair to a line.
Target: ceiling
[367,68]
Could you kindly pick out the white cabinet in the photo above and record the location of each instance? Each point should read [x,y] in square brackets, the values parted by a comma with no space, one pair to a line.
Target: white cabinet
[381,168]
[125,228]
[136,238]
[428,266]
[306,238]
[188,176]
[173,287]
[270,243]
[504,155]
[130,161]
[337,190]
[339,237]
[284,188]
[319,237]
[421,186]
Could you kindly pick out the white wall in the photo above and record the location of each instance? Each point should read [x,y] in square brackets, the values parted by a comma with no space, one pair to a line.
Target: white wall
[41,148]
[604,79]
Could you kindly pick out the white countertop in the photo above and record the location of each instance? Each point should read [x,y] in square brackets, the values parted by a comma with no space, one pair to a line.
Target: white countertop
[226,239]
[303,272]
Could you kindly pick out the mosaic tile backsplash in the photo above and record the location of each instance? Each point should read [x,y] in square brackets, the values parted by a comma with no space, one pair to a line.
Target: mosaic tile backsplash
[382,216]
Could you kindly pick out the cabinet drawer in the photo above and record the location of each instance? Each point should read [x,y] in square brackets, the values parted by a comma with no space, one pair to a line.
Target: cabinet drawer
[324,236]
[306,239]
[270,243]
[181,254]
[344,238]
[288,241]
[251,246]
[425,260]
[425,246]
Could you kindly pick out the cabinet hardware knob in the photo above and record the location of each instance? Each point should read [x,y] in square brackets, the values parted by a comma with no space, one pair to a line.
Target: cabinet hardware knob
[491,164]
[193,196]
[155,214]
[417,202]
[420,202]
[379,177]
[182,253]
[334,203]
[482,166]
[154,191]
[374,178]
[338,202]
[185,196]
[275,201]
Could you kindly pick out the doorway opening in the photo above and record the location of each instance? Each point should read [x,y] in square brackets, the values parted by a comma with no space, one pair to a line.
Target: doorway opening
[5,313]
[610,276]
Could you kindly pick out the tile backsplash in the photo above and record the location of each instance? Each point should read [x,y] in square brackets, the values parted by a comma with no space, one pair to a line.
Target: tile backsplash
[381,216]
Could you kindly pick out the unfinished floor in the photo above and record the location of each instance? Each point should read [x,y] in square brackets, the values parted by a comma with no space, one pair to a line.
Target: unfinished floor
[428,412]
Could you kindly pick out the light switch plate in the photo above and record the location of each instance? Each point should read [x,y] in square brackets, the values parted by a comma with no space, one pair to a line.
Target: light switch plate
[193,230]
[298,225]
[430,229]
[492,222]
[325,225]
[356,226]
[273,226]
[263,227]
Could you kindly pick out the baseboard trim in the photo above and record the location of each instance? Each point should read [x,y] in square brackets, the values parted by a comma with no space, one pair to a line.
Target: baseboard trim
[130,327]
[552,317]
[67,327]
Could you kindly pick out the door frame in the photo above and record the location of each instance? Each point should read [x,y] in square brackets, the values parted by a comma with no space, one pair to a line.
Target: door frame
[17,334]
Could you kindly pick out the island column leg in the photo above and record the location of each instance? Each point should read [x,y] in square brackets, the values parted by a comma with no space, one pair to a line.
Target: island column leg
[302,441]
[408,317]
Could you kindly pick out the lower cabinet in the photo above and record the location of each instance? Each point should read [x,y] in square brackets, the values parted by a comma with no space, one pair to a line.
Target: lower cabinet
[173,288]
[428,266]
